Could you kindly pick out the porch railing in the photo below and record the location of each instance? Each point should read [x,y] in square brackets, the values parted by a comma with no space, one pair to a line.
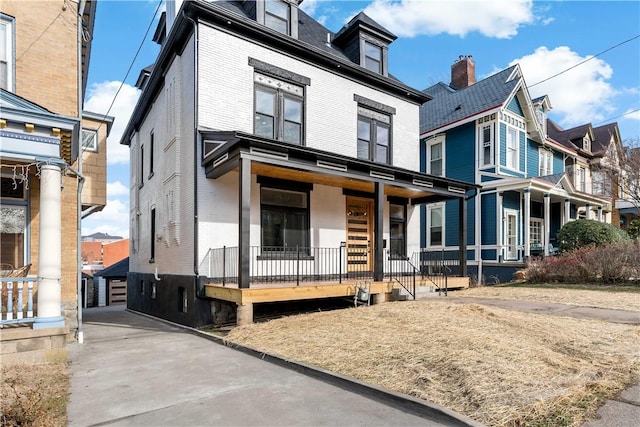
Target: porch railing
[17,300]
[403,272]
[436,266]
[282,265]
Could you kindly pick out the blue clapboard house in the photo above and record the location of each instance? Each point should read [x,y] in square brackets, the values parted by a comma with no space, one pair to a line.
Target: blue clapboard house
[492,133]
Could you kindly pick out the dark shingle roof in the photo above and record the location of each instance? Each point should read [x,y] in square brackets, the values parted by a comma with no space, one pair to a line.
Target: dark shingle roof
[602,137]
[363,19]
[571,138]
[119,269]
[450,105]
[554,179]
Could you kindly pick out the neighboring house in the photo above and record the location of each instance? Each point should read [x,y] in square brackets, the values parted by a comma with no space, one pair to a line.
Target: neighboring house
[491,133]
[101,237]
[268,152]
[110,284]
[44,144]
[104,254]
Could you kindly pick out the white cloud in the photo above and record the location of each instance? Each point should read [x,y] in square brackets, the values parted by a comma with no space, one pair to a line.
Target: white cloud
[491,18]
[632,115]
[309,6]
[116,188]
[580,95]
[113,219]
[100,97]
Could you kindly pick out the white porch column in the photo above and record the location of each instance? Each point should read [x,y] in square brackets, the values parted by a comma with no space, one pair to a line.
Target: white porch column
[567,210]
[599,217]
[527,223]
[588,211]
[499,228]
[50,249]
[547,222]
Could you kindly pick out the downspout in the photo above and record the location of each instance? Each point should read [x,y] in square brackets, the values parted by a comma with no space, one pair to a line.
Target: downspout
[80,334]
[195,153]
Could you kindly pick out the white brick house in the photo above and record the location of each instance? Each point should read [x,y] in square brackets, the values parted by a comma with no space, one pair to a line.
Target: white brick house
[266,148]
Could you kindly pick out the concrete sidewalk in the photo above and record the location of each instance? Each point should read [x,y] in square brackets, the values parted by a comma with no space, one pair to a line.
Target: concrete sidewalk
[134,370]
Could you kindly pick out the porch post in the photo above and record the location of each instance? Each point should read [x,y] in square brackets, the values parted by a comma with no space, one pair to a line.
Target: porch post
[547,222]
[244,210]
[567,210]
[599,213]
[49,313]
[527,223]
[588,211]
[462,236]
[378,227]
[500,227]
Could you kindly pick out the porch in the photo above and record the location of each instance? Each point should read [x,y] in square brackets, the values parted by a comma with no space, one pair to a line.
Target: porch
[279,275]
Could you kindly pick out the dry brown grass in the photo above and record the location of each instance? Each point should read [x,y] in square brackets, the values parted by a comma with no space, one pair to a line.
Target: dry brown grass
[496,366]
[581,297]
[34,395]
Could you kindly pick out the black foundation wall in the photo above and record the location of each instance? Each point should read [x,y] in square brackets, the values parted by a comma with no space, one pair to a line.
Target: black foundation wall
[173,298]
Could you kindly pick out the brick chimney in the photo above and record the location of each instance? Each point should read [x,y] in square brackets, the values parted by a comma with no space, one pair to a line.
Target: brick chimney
[463,72]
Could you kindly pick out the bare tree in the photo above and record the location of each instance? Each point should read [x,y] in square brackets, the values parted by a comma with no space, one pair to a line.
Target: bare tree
[629,172]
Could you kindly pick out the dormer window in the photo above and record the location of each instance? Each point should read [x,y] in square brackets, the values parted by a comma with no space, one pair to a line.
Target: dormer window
[279,15]
[372,57]
[586,143]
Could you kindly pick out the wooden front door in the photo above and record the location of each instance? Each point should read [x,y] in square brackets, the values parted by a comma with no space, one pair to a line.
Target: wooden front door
[359,235]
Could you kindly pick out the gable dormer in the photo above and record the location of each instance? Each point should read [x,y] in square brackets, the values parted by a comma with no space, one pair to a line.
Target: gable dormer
[366,42]
[541,106]
[279,15]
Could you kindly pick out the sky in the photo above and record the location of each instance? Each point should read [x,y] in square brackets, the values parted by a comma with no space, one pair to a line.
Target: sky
[598,42]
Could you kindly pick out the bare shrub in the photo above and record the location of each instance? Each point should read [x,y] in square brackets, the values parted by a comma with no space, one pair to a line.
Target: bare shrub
[612,263]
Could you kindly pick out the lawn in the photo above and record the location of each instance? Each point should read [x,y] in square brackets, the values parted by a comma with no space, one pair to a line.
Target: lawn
[617,297]
[34,395]
[499,367]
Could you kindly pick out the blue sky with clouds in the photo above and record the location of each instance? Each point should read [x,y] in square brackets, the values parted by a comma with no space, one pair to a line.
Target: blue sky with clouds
[545,37]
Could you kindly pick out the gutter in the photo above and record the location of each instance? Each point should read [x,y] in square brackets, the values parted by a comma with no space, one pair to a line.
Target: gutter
[80,334]
[195,152]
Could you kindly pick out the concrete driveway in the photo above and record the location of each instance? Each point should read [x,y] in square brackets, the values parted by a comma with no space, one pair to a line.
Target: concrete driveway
[133,370]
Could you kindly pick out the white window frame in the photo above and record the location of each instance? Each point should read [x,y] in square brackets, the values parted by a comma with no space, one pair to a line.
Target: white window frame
[545,162]
[536,226]
[93,147]
[8,24]
[430,144]
[513,148]
[484,144]
[581,178]
[430,209]
[20,203]
[271,13]
[511,248]
[586,143]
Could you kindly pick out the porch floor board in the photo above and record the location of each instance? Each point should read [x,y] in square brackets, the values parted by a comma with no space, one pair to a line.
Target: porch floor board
[285,291]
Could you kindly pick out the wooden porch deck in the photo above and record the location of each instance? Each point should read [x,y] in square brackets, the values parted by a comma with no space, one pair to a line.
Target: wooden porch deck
[276,292]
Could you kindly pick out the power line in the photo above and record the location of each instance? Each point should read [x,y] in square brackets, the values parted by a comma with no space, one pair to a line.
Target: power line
[618,116]
[586,60]
[131,65]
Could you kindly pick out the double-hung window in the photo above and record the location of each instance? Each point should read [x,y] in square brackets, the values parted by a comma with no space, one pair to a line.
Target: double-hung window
[13,222]
[512,148]
[277,15]
[435,225]
[279,110]
[486,136]
[398,230]
[601,183]
[582,179]
[6,53]
[374,136]
[435,157]
[372,57]
[545,162]
[284,219]
[89,140]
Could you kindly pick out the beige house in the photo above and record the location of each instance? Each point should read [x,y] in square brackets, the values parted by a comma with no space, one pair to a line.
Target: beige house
[53,158]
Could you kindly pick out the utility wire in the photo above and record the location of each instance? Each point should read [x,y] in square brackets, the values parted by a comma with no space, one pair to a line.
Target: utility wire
[618,116]
[588,59]
[131,65]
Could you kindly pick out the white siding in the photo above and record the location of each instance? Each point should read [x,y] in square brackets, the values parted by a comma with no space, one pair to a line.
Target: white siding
[331,112]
